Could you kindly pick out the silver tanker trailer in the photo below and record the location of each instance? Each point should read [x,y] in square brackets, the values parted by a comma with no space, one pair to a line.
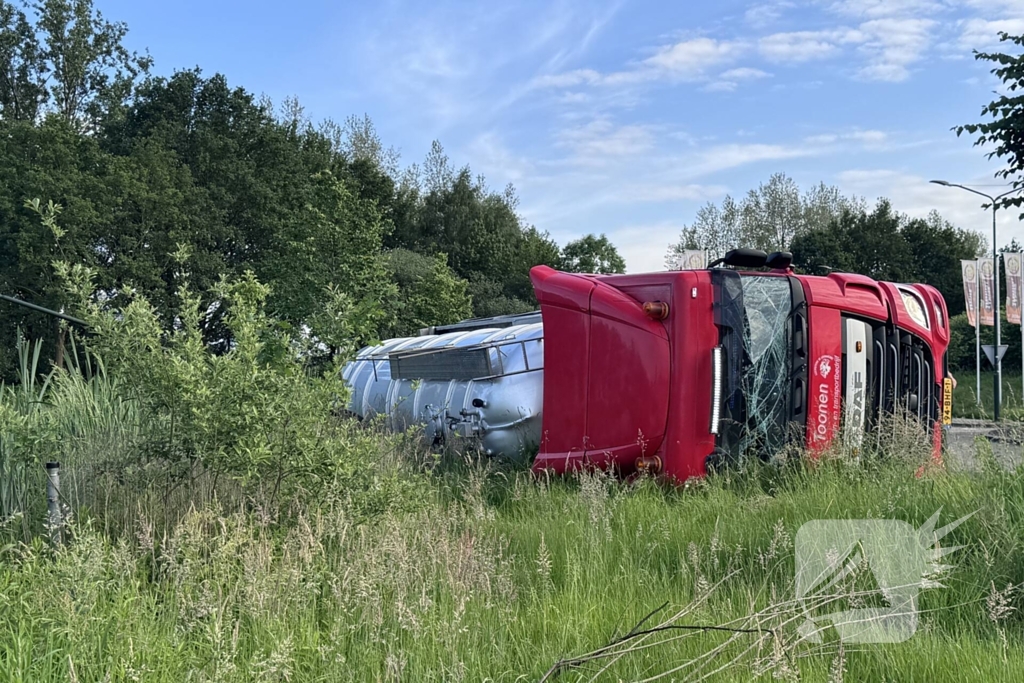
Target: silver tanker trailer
[480,381]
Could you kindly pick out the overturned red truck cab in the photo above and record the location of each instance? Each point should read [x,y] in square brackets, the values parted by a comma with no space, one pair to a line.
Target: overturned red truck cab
[671,372]
[676,371]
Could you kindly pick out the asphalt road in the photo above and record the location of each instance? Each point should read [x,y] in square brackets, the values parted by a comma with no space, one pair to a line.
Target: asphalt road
[969,442]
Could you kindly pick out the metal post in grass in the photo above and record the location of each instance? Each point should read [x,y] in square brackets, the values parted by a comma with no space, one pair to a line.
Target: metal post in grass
[54,519]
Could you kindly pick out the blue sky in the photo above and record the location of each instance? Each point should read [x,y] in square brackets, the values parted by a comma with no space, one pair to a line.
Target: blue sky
[624,117]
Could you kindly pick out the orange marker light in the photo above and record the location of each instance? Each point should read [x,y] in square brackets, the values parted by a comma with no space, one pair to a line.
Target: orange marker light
[656,309]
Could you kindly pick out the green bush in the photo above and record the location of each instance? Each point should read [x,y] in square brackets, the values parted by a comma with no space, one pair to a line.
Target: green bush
[962,343]
[263,410]
[428,293]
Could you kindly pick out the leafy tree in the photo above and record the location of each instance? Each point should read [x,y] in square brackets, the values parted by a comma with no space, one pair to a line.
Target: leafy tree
[824,204]
[820,252]
[866,243]
[429,293]
[488,244]
[715,230]
[359,141]
[1006,114]
[769,217]
[334,243]
[772,215]
[88,71]
[272,195]
[536,248]
[592,254]
[22,66]
[937,247]
[49,161]
[886,245]
[161,177]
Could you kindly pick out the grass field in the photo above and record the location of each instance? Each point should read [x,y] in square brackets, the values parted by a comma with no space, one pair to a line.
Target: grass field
[493,575]
[965,397]
[422,569]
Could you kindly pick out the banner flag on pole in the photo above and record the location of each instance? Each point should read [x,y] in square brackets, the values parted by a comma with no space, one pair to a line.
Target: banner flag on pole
[1013,287]
[970,274]
[986,272]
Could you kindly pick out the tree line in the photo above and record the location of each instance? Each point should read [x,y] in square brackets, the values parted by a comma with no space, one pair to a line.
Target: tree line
[161,181]
[829,232]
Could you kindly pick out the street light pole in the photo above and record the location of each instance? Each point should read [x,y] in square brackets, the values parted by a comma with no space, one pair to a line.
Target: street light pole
[997,389]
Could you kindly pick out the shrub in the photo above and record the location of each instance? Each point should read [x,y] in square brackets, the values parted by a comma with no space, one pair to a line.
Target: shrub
[962,342]
[259,406]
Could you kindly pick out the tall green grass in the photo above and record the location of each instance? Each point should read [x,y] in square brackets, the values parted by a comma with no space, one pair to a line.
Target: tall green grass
[965,396]
[467,571]
[496,576]
[483,574]
[76,416]
[18,403]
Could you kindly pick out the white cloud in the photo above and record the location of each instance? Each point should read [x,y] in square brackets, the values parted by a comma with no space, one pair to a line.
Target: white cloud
[892,45]
[600,141]
[643,247]
[766,13]
[574,97]
[729,80]
[728,156]
[687,60]
[721,86]
[671,192]
[979,34]
[492,157]
[567,79]
[869,138]
[744,74]
[822,139]
[876,9]
[803,46]
[691,58]
[991,7]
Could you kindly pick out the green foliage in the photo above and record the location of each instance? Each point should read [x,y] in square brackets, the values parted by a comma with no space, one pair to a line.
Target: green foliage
[89,70]
[937,248]
[592,254]
[769,217]
[962,343]
[149,168]
[486,241]
[886,245]
[428,292]
[865,243]
[190,162]
[1006,116]
[254,411]
[335,242]
[69,62]
[22,67]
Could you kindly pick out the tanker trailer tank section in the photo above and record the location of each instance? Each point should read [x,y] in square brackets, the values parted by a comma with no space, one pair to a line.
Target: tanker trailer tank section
[481,388]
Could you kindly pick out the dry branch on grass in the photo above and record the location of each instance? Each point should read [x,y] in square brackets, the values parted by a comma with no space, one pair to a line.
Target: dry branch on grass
[775,649]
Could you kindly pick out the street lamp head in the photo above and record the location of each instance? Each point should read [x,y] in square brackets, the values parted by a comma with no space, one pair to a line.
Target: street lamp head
[940,182]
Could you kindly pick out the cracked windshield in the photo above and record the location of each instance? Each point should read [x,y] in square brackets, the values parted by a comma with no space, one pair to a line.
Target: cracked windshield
[767,304]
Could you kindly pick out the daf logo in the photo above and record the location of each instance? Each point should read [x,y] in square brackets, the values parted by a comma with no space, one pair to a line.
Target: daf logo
[825,366]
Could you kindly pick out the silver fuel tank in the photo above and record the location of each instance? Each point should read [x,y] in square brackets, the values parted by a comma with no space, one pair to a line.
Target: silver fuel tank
[482,387]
